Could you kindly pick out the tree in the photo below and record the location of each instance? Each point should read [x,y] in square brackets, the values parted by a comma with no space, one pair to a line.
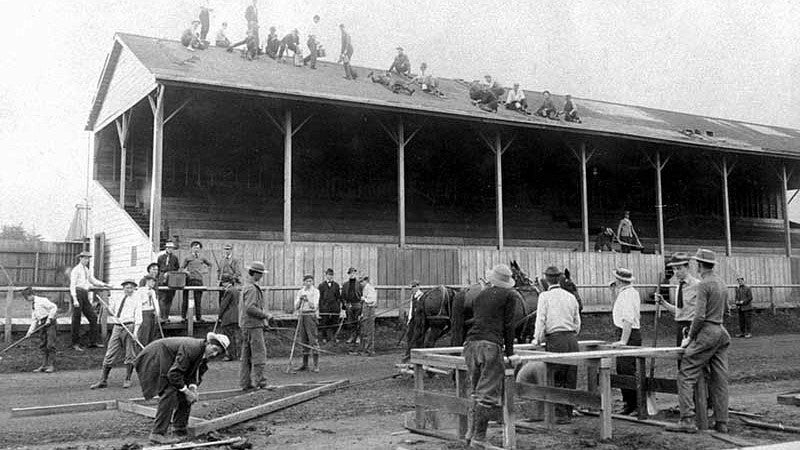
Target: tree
[19,233]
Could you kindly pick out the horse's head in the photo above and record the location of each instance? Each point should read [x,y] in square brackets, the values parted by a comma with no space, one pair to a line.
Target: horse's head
[521,279]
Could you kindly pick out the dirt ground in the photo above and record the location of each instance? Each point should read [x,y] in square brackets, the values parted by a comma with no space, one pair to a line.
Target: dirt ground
[369,416]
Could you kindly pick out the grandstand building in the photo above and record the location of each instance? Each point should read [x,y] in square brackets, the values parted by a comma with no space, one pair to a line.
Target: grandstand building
[306,170]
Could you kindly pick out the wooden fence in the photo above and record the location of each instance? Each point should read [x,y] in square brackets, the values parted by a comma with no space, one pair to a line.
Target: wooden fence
[38,263]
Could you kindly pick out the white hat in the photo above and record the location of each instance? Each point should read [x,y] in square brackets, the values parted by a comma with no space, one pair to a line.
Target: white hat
[501,276]
[221,339]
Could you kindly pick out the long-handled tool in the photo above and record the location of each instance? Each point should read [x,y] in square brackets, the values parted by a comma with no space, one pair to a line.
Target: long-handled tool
[294,341]
[652,405]
[133,336]
[19,341]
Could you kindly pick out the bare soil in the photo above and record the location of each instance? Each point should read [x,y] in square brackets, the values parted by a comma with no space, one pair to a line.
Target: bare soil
[369,416]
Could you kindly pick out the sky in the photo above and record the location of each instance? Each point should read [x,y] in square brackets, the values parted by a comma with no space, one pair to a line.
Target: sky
[722,58]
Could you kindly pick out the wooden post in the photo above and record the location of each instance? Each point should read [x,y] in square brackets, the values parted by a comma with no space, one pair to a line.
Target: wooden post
[401,182]
[36,269]
[157,106]
[592,366]
[584,199]
[641,392]
[419,386]
[190,309]
[659,203]
[772,299]
[287,177]
[509,418]
[462,391]
[605,399]
[8,324]
[786,227]
[701,402]
[499,166]
[726,208]
[549,408]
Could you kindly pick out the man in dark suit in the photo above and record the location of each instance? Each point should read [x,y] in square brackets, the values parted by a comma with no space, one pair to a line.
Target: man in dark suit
[351,296]
[330,306]
[167,262]
[744,303]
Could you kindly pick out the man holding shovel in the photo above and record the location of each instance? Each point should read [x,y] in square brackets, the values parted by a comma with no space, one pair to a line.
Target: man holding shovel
[126,315]
[305,304]
[43,319]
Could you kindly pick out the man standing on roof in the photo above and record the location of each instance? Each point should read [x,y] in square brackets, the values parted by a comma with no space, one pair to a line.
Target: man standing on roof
[706,345]
[251,16]
[491,336]
[626,234]
[401,63]
[253,319]
[205,20]
[312,43]
[195,266]
[167,262]
[346,54]
[81,281]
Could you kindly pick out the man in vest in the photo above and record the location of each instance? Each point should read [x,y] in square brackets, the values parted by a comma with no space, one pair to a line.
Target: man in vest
[126,315]
[330,306]
[253,319]
[81,281]
[306,305]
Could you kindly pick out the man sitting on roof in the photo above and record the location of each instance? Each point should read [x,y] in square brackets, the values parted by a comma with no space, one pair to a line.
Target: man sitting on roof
[251,42]
[428,83]
[273,44]
[482,97]
[290,41]
[191,37]
[516,100]
[570,111]
[222,36]
[387,81]
[492,85]
[401,64]
[548,109]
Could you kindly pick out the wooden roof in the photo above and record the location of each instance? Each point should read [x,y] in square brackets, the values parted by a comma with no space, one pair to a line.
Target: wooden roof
[170,63]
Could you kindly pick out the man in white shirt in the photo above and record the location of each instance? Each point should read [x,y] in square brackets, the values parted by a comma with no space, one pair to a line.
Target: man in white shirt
[81,281]
[684,299]
[150,310]
[626,315]
[369,297]
[416,294]
[558,322]
[306,305]
[125,314]
[516,101]
[43,316]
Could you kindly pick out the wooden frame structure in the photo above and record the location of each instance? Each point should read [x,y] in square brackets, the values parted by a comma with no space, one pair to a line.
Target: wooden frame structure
[597,357]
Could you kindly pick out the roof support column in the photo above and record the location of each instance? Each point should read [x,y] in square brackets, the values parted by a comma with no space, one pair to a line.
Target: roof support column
[498,148]
[786,225]
[659,165]
[157,105]
[583,158]
[399,138]
[123,126]
[726,206]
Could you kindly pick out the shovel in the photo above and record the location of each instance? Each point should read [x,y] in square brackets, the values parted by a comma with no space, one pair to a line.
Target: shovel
[652,405]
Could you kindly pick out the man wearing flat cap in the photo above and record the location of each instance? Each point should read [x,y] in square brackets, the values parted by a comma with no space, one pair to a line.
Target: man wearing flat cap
[626,316]
[684,298]
[706,345]
[558,322]
[330,306]
[81,281]
[229,266]
[306,305]
[253,319]
[744,303]
[195,266]
[125,314]
[490,337]
[172,369]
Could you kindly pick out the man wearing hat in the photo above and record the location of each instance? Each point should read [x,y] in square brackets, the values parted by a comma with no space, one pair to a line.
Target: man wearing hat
[706,345]
[330,306]
[126,316]
[351,295]
[415,316]
[229,266]
[346,53]
[744,303]
[685,298]
[167,262]
[626,316]
[401,63]
[150,311]
[228,318]
[43,315]
[172,368]
[306,305]
[491,336]
[558,322]
[252,321]
[195,266]
[81,281]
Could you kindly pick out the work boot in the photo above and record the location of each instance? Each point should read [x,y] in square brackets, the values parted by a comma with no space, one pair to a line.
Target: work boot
[315,368]
[304,366]
[77,348]
[103,381]
[721,427]
[481,424]
[685,425]
[161,439]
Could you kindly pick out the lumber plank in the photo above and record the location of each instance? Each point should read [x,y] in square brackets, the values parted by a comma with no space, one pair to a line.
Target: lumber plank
[556,395]
[729,439]
[789,399]
[188,445]
[149,411]
[449,403]
[509,416]
[62,409]
[260,410]
[664,385]
[605,399]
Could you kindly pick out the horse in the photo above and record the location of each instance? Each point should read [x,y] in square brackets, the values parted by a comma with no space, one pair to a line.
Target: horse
[445,309]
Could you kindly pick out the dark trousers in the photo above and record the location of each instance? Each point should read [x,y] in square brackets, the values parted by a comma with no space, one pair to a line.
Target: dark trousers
[708,349]
[165,302]
[85,308]
[348,71]
[172,408]
[198,298]
[328,324]
[283,48]
[565,375]
[148,330]
[626,240]
[745,321]
[485,371]
[523,105]
[353,324]
[232,331]
[312,53]
[627,366]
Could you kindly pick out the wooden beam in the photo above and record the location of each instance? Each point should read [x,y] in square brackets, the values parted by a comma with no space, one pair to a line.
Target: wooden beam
[584,198]
[61,409]
[498,155]
[419,386]
[123,126]
[558,395]
[177,110]
[606,401]
[302,124]
[792,398]
[261,410]
[509,414]
[9,301]
[190,445]
[726,208]
[786,224]
[462,391]
[659,203]
[149,411]
[158,156]
[287,177]
[401,183]
[274,121]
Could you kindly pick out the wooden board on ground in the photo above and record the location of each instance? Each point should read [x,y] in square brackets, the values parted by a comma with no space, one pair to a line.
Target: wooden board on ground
[149,411]
[62,409]
[730,439]
[789,398]
[260,410]
[188,445]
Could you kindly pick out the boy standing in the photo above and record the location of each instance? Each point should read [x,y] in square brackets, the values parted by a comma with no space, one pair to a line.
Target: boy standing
[370,300]
[43,316]
[126,315]
[306,301]
[150,312]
